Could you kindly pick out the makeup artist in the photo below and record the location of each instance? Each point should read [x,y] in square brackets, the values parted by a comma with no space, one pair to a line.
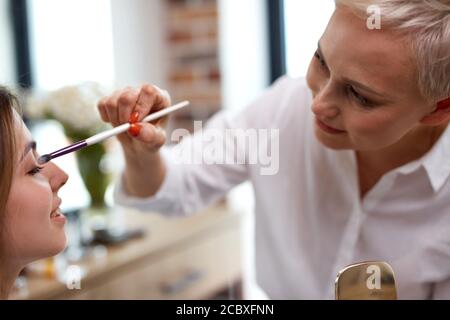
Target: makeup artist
[364,156]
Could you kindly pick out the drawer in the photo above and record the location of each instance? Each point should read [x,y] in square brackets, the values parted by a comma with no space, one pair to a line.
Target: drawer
[193,271]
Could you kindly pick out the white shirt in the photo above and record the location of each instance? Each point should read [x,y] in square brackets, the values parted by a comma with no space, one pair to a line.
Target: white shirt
[310,221]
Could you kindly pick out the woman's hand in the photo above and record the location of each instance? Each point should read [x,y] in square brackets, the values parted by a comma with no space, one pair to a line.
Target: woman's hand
[132,105]
[145,169]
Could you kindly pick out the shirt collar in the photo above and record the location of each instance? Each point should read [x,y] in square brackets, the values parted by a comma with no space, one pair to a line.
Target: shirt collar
[436,162]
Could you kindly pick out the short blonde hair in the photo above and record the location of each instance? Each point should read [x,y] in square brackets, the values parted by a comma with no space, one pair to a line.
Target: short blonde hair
[427,23]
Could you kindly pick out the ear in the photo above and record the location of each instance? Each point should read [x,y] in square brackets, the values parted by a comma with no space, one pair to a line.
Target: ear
[438,116]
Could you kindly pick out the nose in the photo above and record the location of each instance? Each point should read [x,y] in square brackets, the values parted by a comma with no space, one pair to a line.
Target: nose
[57,177]
[324,106]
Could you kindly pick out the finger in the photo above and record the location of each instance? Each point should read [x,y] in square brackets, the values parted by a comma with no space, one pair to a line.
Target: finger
[126,103]
[153,137]
[123,138]
[101,107]
[165,94]
[151,99]
[112,108]
[164,103]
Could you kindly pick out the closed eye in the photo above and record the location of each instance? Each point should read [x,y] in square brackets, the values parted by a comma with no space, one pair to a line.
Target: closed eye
[35,171]
[363,101]
[320,59]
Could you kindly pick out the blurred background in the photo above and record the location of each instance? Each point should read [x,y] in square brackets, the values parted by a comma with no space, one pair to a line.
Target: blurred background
[61,56]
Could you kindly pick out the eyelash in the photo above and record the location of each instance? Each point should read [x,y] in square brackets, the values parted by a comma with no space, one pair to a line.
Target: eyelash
[360,99]
[35,171]
[321,61]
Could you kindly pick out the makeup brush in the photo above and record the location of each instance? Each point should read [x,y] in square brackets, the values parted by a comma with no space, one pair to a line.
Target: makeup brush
[108,134]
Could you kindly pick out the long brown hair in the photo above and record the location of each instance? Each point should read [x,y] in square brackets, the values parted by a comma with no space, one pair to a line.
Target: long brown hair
[7,148]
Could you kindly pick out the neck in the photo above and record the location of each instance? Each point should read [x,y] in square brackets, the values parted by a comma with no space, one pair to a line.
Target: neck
[373,165]
[411,147]
[8,275]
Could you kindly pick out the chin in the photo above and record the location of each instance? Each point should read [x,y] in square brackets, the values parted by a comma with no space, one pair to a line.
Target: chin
[48,248]
[59,245]
[56,245]
[332,143]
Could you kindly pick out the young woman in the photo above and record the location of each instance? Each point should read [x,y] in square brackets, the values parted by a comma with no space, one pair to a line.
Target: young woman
[364,155]
[31,224]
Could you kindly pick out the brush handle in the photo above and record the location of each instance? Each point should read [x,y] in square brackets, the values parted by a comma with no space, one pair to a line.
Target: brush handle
[124,127]
[69,149]
[108,134]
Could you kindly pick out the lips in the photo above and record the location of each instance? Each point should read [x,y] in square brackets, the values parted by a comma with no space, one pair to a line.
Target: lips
[328,128]
[55,212]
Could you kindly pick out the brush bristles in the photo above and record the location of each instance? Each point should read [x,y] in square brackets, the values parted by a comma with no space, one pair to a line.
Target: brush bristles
[45,159]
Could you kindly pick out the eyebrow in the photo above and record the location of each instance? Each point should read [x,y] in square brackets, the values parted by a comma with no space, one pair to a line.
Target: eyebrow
[364,87]
[30,146]
[352,82]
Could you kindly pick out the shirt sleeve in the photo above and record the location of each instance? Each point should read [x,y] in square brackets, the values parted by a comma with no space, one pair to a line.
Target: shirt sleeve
[165,199]
[203,167]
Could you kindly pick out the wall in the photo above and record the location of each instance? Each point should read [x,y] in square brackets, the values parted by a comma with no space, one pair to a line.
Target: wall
[243,50]
[193,52]
[7,62]
[244,55]
[139,42]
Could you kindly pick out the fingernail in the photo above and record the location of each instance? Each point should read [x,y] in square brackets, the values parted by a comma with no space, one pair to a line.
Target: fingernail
[135,129]
[444,104]
[134,117]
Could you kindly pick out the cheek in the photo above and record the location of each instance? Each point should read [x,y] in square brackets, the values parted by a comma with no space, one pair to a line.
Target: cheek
[369,123]
[30,232]
[30,199]
[379,129]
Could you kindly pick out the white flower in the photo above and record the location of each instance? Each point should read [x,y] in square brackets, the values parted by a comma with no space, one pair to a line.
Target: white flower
[35,106]
[74,106]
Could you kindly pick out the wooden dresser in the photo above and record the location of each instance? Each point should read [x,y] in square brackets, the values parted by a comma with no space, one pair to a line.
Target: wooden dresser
[178,258]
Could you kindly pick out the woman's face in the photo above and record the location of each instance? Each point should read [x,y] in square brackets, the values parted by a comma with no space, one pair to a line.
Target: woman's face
[364,85]
[34,224]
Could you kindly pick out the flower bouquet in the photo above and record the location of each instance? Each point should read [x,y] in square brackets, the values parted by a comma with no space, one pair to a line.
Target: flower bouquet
[75,108]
